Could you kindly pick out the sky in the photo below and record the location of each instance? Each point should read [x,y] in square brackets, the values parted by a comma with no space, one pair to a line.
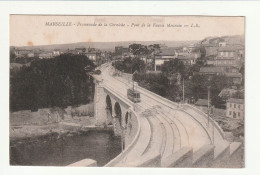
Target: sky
[33,30]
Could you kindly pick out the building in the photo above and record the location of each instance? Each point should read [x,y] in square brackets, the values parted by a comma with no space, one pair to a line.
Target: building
[227,93]
[92,55]
[56,52]
[212,70]
[235,108]
[162,56]
[189,58]
[210,60]
[30,54]
[45,55]
[80,50]
[23,53]
[229,71]
[236,77]
[228,56]
[222,44]
[211,50]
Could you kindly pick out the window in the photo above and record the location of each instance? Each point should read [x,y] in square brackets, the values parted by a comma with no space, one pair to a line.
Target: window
[238,114]
[230,113]
[230,105]
[234,105]
[234,115]
[238,106]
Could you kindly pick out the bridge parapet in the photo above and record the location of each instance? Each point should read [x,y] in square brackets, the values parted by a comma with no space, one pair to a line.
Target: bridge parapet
[141,150]
[131,140]
[206,116]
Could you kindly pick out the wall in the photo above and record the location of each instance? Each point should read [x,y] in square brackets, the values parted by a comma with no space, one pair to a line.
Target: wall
[232,109]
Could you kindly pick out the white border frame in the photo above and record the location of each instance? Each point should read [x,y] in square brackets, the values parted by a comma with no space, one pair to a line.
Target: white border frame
[249,9]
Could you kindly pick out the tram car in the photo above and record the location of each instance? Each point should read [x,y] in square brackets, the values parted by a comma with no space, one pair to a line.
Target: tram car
[133,95]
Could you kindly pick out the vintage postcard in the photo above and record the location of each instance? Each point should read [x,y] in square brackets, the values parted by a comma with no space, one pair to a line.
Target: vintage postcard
[127,91]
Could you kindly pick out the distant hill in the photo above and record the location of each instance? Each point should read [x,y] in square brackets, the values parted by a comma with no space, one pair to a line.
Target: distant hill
[231,40]
[110,46]
[106,46]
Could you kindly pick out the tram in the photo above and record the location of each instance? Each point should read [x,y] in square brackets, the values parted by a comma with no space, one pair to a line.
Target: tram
[133,95]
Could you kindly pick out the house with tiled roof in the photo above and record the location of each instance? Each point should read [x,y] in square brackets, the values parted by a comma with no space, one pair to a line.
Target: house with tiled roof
[81,50]
[227,93]
[214,70]
[228,55]
[162,56]
[235,108]
[189,58]
[229,71]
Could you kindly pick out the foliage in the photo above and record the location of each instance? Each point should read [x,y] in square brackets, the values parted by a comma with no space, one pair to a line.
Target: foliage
[138,49]
[195,88]
[22,60]
[174,66]
[156,83]
[130,65]
[59,82]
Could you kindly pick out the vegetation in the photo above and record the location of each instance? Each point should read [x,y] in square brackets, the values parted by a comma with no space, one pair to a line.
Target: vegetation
[156,83]
[56,82]
[196,86]
[130,65]
[138,49]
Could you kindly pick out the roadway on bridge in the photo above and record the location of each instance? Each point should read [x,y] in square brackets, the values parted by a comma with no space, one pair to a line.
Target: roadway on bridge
[165,127]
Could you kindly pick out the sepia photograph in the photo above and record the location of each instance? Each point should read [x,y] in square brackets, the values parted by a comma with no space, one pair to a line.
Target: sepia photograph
[127,91]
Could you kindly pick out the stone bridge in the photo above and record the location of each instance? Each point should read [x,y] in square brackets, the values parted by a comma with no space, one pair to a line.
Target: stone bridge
[157,132]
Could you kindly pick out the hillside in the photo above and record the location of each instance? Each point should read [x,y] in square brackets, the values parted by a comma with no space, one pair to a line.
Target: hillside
[231,40]
[107,46]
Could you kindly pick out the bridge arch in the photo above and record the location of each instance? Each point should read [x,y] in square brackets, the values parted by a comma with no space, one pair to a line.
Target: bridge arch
[109,110]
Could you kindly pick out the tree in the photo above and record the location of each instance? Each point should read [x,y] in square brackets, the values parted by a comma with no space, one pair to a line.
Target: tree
[174,66]
[60,81]
[156,83]
[130,65]
[138,49]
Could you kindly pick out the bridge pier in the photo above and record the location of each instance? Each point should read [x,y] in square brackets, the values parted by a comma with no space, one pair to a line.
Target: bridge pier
[99,104]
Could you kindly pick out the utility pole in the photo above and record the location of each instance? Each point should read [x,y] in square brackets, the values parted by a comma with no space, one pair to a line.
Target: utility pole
[183,91]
